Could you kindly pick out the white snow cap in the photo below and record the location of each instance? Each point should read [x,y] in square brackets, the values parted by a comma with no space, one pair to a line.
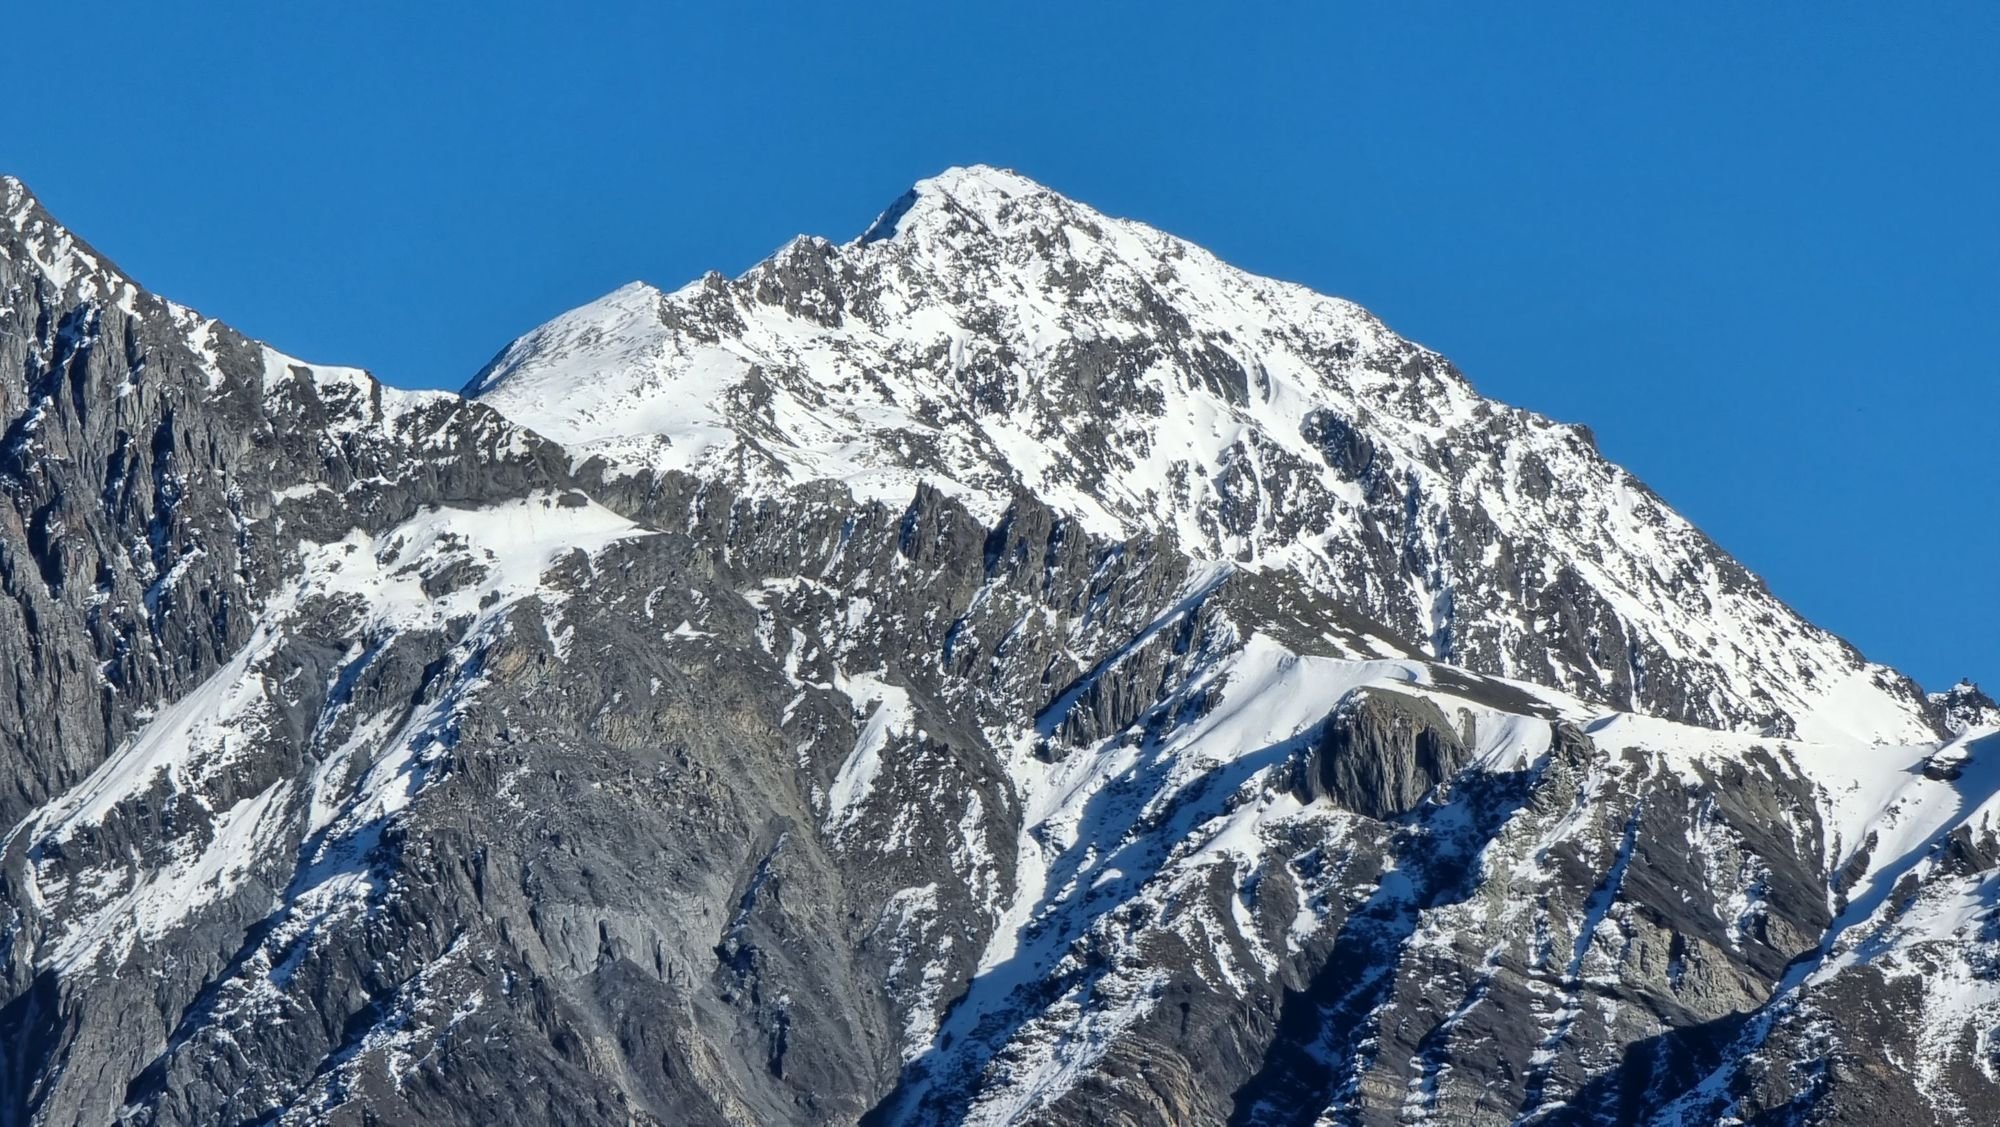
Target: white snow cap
[977,189]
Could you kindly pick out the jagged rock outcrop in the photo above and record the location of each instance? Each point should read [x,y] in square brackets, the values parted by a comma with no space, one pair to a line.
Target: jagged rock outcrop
[1381,753]
[1964,708]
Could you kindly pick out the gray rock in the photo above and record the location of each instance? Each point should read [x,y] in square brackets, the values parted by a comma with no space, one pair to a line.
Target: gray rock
[1381,753]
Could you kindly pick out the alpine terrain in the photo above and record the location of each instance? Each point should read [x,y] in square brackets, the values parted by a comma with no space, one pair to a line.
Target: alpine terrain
[1010,667]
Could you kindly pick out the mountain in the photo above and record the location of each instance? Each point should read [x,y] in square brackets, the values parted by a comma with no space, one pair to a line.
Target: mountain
[1011,667]
[989,337]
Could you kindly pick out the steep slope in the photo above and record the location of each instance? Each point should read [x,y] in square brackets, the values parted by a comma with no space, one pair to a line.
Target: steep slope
[373,759]
[139,440]
[286,658]
[988,335]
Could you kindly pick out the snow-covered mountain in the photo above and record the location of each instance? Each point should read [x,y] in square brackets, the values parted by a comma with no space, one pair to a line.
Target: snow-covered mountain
[1008,668]
[988,336]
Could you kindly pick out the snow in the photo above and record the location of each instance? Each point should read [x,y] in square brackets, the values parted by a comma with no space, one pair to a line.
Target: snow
[1906,819]
[241,834]
[199,727]
[300,492]
[510,545]
[905,919]
[202,737]
[196,738]
[1879,801]
[1092,825]
[371,403]
[888,714]
[1863,788]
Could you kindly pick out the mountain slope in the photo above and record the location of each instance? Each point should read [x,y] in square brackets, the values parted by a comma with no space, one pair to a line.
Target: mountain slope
[987,335]
[786,747]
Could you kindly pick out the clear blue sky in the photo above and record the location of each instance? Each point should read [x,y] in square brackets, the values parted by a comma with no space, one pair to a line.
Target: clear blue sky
[1755,246]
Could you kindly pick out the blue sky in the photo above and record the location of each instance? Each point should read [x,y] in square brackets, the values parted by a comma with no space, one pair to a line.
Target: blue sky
[1755,247]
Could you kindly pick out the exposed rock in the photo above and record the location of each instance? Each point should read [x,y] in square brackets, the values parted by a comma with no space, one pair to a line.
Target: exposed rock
[1381,753]
[1963,708]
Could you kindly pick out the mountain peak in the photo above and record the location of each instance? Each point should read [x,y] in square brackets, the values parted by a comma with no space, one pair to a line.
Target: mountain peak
[978,190]
[991,338]
[980,181]
[19,209]
[1965,707]
[36,240]
[616,332]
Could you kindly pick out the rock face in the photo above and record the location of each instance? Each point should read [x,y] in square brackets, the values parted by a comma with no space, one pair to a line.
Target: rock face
[1381,753]
[1009,668]
[1963,708]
